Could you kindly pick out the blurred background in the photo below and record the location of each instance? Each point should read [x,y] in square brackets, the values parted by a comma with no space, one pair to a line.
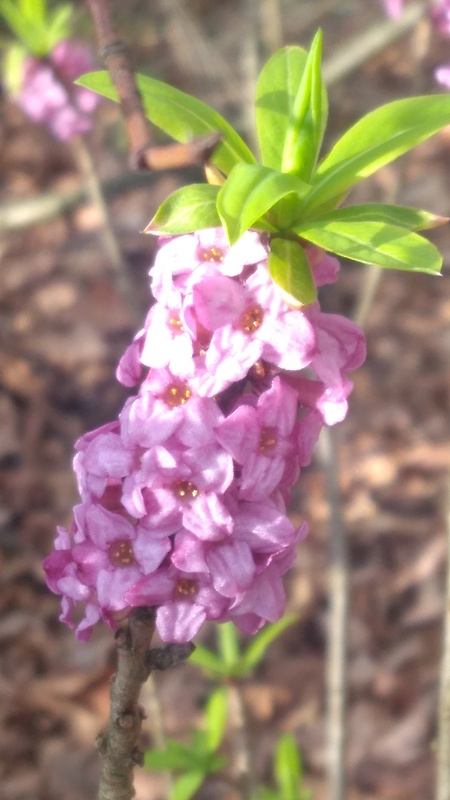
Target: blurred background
[64,324]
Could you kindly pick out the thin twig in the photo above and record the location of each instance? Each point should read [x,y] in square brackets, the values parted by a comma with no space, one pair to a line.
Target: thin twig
[118,265]
[119,745]
[143,154]
[337,618]
[443,738]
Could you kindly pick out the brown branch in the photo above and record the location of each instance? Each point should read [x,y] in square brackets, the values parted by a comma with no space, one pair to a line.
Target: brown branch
[119,745]
[143,154]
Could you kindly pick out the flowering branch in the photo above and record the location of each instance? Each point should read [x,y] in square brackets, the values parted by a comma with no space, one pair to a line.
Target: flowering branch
[143,154]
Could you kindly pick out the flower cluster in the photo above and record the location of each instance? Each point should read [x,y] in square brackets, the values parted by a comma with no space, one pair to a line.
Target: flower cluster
[440,16]
[183,498]
[47,95]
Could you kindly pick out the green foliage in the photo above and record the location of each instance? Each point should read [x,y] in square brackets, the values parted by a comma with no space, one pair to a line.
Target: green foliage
[288,773]
[186,210]
[36,28]
[197,759]
[180,116]
[289,268]
[250,192]
[290,195]
[291,109]
[377,243]
[377,139]
[230,662]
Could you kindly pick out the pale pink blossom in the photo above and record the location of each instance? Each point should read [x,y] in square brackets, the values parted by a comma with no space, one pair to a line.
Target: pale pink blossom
[49,96]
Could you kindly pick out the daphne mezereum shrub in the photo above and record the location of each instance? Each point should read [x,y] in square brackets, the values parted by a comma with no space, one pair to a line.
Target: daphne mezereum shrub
[237,368]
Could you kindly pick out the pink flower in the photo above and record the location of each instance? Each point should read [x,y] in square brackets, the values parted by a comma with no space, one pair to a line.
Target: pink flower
[104,556]
[251,322]
[440,14]
[393,8]
[101,460]
[259,436]
[182,487]
[182,260]
[47,94]
[184,496]
[442,75]
[185,601]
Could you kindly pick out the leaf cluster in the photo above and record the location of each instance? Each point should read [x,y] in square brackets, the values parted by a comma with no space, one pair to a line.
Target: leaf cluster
[292,194]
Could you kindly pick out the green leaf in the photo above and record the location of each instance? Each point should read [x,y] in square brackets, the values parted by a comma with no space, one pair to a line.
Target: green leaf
[257,648]
[402,216]
[287,767]
[374,243]
[308,119]
[18,24]
[175,757]
[180,116]
[59,24]
[276,90]
[228,642]
[207,660]
[34,11]
[250,192]
[289,268]
[216,716]
[291,109]
[13,60]
[186,785]
[375,140]
[187,209]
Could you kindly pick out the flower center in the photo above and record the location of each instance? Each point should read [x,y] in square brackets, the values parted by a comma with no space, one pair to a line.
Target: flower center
[185,587]
[267,440]
[175,323]
[177,394]
[212,254]
[185,490]
[121,553]
[252,320]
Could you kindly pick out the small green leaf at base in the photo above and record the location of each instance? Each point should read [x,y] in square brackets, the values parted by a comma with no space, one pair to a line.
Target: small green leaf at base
[207,660]
[375,243]
[257,648]
[186,785]
[216,715]
[289,268]
[188,209]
